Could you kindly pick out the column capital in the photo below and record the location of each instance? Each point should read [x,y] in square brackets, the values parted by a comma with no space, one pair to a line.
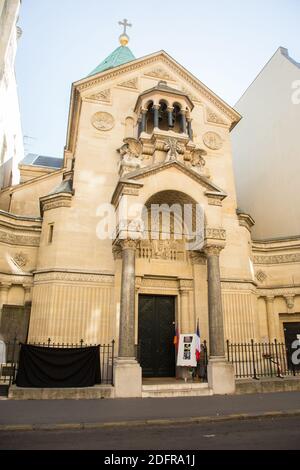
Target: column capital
[170,109]
[213,250]
[128,244]
[156,106]
[270,298]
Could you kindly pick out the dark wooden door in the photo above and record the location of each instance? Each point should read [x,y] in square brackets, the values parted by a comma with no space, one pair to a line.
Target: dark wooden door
[291,330]
[156,335]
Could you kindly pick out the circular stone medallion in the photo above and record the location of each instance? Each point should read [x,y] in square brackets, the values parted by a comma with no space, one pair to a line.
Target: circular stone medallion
[103,121]
[212,140]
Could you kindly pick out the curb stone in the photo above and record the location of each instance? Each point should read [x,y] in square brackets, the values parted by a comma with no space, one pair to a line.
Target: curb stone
[146,422]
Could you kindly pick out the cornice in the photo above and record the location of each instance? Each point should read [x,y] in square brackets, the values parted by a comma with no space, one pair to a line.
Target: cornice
[73,276]
[212,189]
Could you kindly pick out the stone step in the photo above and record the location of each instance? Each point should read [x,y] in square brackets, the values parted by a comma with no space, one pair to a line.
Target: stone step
[175,390]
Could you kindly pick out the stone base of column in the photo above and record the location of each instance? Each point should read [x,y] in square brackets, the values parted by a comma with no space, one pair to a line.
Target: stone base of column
[127,378]
[220,374]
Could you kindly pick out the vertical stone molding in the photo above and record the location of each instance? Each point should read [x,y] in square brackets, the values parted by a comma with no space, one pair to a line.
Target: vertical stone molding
[270,317]
[184,309]
[215,312]
[127,309]
[27,294]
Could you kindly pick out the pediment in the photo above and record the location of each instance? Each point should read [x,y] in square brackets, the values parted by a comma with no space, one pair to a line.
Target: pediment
[135,180]
[155,67]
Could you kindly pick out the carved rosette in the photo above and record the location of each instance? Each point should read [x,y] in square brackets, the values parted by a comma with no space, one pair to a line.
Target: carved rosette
[103,121]
[212,140]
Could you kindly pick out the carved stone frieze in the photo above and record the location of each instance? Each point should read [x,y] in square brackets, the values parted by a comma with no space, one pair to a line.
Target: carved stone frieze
[132,83]
[159,72]
[73,277]
[277,259]
[18,239]
[170,250]
[160,283]
[104,96]
[215,233]
[58,201]
[214,117]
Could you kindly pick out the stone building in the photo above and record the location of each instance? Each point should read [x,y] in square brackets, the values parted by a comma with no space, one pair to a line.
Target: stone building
[11,138]
[142,133]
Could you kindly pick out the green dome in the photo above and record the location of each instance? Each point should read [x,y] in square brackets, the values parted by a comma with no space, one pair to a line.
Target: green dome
[119,56]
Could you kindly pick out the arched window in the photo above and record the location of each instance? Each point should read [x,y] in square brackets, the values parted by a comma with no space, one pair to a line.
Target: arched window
[163,116]
[176,117]
[150,118]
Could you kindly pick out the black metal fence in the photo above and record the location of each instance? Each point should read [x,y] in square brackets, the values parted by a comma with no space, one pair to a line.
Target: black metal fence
[9,368]
[255,360]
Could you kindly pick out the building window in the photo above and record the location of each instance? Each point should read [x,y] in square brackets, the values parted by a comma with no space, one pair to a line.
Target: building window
[50,233]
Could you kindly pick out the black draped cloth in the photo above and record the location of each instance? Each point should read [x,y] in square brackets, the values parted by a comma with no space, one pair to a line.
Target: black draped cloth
[43,367]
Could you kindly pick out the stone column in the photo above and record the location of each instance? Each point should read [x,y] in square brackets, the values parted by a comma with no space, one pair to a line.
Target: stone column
[127,371]
[183,121]
[170,110]
[220,372]
[127,309]
[139,126]
[4,289]
[215,312]
[270,318]
[144,117]
[156,115]
[189,129]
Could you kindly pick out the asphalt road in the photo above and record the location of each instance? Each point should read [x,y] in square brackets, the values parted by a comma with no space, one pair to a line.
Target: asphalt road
[272,434]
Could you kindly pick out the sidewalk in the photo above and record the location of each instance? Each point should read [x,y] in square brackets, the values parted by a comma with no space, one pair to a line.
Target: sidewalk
[78,414]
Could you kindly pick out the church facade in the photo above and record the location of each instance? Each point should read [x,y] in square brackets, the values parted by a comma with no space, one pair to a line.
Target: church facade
[79,247]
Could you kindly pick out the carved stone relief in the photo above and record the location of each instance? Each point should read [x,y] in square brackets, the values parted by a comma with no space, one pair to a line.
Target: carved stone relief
[159,73]
[103,121]
[212,140]
[213,117]
[104,96]
[132,83]
[171,250]
[20,259]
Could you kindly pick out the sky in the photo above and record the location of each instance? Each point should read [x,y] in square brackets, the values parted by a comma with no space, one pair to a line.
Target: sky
[224,43]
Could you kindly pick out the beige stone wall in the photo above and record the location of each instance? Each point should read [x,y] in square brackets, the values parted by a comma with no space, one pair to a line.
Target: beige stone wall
[68,307]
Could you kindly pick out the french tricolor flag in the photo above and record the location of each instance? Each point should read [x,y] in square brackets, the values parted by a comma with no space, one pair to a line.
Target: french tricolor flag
[198,342]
